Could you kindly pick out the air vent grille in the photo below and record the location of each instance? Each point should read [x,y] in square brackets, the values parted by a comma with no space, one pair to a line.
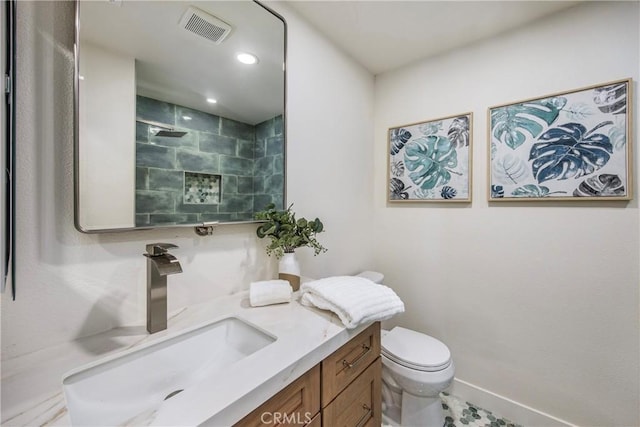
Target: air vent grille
[205,25]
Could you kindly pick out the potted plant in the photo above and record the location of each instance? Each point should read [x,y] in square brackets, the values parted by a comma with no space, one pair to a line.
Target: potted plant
[287,234]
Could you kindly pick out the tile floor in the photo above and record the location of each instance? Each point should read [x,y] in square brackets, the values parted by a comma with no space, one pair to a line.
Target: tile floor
[458,413]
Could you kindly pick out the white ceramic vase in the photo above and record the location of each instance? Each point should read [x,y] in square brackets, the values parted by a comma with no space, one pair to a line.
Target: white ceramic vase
[289,269]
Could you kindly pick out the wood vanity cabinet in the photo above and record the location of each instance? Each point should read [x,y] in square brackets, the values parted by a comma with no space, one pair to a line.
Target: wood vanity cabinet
[295,405]
[342,390]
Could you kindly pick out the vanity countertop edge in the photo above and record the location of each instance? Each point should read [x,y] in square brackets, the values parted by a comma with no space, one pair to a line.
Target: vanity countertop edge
[32,383]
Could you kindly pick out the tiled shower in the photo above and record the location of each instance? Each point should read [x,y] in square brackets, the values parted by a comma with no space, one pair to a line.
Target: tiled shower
[219,170]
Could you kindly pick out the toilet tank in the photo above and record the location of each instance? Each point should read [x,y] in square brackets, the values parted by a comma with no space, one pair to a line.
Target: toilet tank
[374,276]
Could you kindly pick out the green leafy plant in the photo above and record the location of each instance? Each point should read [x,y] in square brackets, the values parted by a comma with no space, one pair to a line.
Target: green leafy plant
[286,232]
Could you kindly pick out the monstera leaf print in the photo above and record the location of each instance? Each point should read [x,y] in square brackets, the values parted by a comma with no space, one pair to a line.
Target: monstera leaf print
[430,160]
[510,168]
[398,138]
[618,132]
[569,151]
[611,99]
[448,192]
[397,190]
[578,111]
[601,185]
[458,132]
[397,168]
[431,128]
[419,193]
[511,124]
[497,191]
[531,190]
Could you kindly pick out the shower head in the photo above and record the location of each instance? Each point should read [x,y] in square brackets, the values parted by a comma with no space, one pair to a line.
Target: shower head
[170,133]
[162,129]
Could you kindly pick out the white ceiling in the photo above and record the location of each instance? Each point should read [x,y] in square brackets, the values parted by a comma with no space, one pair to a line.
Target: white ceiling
[383,35]
[180,67]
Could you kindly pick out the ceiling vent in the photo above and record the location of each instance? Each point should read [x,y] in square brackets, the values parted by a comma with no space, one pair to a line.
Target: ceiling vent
[205,25]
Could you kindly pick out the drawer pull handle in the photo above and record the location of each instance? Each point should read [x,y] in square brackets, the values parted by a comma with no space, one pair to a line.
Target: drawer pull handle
[362,421]
[350,365]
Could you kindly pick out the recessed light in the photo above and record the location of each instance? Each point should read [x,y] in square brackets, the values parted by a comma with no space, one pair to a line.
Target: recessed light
[247,58]
[186,117]
[211,100]
[81,77]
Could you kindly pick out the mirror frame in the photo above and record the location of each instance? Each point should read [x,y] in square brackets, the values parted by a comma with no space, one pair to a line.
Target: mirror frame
[8,37]
[203,228]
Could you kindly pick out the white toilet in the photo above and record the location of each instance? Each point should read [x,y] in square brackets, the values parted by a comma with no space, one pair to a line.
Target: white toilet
[415,369]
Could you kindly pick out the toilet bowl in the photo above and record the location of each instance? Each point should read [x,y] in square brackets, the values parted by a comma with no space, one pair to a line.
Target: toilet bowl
[415,369]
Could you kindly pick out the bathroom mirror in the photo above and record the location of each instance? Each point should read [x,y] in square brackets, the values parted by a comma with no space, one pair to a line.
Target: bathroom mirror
[172,129]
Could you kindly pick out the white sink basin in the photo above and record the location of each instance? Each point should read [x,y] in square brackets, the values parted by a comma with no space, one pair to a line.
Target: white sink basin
[127,388]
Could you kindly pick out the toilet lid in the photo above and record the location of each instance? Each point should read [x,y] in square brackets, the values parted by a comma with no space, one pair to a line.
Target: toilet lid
[415,350]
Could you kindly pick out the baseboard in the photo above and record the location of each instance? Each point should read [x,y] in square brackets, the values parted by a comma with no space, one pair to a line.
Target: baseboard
[504,407]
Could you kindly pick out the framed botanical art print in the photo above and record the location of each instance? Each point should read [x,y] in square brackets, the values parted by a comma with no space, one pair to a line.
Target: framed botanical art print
[431,161]
[574,145]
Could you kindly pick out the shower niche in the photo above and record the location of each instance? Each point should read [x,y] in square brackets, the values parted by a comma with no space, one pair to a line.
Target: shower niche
[171,128]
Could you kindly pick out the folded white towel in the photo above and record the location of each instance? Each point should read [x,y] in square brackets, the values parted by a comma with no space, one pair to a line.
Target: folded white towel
[355,300]
[268,292]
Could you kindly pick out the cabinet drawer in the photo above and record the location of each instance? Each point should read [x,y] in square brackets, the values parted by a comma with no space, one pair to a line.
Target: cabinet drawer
[295,405]
[360,403]
[346,363]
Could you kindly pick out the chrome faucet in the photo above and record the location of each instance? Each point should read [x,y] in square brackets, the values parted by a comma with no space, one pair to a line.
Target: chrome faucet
[160,264]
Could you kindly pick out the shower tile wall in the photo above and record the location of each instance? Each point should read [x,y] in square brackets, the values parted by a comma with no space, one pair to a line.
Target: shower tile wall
[249,159]
[268,180]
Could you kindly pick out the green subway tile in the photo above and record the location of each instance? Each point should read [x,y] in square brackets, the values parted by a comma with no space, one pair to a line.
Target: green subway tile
[177,218]
[278,125]
[142,132]
[235,165]
[154,156]
[163,179]
[236,129]
[229,184]
[207,217]
[260,149]
[246,149]
[218,144]
[264,130]
[142,220]
[142,178]
[260,201]
[195,161]
[274,184]
[154,202]
[278,164]
[263,166]
[236,204]
[258,184]
[199,120]
[245,185]
[275,145]
[154,110]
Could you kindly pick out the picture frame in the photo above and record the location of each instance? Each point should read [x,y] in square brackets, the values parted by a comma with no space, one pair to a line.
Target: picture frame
[573,145]
[430,161]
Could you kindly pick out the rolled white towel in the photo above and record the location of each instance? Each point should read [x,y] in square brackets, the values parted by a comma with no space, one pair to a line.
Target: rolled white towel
[268,292]
[355,300]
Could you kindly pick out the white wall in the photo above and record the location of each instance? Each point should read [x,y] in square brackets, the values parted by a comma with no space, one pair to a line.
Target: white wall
[107,128]
[72,284]
[538,302]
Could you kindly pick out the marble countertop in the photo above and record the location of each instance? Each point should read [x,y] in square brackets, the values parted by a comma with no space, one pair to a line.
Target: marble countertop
[32,384]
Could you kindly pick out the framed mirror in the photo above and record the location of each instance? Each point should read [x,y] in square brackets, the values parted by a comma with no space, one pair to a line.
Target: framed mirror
[180,111]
